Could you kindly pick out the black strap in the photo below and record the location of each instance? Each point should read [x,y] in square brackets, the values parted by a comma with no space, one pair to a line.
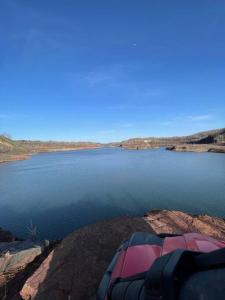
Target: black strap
[168,272]
[211,260]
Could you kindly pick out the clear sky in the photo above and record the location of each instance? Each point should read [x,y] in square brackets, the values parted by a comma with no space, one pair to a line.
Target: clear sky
[107,70]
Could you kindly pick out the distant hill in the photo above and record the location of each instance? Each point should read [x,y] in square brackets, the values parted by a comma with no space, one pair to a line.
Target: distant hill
[9,146]
[216,136]
[20,149]
[211,141]
[5,142]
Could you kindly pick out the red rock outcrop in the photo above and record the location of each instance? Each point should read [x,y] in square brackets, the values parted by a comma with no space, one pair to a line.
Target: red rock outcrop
[171,221]
[74,269]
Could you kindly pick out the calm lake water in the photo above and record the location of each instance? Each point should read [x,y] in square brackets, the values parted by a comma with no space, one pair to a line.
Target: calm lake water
[62,191]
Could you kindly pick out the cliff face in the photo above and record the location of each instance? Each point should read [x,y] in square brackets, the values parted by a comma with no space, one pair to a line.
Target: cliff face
[74,268]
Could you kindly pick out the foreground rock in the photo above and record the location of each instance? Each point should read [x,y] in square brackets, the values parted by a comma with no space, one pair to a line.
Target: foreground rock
[15,256]
[197,148]
[171,221]
[74,269]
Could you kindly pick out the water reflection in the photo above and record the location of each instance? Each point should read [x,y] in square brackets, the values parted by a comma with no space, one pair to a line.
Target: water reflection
[64,191]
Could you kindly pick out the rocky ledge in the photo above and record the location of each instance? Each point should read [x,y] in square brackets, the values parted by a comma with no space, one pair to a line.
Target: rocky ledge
[73,269]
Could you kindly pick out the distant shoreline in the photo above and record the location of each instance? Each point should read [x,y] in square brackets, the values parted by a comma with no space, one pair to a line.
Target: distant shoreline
[177,148]
[206,141]
[198,148]
[182,148]
[10,158]
[15,157]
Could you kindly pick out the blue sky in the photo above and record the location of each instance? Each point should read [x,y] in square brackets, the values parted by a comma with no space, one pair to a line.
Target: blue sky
[109,70]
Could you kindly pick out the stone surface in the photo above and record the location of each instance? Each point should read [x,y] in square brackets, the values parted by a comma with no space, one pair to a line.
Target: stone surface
[169,221]
[74,269]
[15,256]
